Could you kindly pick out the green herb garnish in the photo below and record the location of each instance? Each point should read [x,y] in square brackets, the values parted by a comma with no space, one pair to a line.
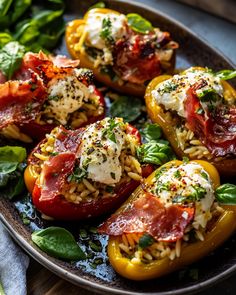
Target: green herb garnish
[139,24]
[11,56]
[145,241]
[78,174]
[155,153]
[108,132]
[98,5]
[226,194]
[126,107]
[58,242]
[197,193]
[106,32]
[226,74]
[151,132]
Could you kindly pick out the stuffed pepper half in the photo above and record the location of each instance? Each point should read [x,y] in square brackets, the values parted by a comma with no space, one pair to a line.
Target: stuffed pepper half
[197,112]
[170,221]
[124,51]
[45,92]
[77,174]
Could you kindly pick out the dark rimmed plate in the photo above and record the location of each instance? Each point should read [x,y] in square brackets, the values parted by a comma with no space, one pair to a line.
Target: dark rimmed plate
[100,277]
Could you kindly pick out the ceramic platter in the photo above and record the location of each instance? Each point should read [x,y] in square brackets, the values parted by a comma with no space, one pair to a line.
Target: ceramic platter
[102,278]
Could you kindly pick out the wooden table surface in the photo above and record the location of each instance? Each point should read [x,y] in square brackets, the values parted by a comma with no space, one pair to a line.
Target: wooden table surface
[219,33]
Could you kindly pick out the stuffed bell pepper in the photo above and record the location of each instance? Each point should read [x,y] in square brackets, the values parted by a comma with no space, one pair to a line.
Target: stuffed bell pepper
[197,112]
[170,221]
[77,174]
[45,92]
[124,51]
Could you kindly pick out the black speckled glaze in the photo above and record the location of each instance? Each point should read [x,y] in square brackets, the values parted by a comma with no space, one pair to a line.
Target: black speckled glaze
[103,279]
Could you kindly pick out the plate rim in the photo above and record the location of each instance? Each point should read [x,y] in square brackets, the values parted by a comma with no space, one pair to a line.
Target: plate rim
[94,286]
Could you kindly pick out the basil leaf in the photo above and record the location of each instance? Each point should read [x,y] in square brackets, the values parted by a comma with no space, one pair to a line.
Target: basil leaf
[98,5]
[155,153]
[226,74]
[4,39]
[19,8]
[151,132]
[226,194]
[145,241]
[4,7]
[138,23]
[10,157]
[10,58]
[128,108]
[58,242]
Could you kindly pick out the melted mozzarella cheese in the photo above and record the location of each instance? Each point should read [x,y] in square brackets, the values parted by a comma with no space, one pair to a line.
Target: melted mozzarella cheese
[99,153]
[65,96]
[94,27]
[172,92]
[180,182]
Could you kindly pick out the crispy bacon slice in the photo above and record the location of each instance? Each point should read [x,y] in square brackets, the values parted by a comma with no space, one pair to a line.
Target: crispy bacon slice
[215,129]
[20,101]
[148,215]
[55,172]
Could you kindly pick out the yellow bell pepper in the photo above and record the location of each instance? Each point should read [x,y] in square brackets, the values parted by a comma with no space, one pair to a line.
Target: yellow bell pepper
[75,37]
[226,166]
[220,231]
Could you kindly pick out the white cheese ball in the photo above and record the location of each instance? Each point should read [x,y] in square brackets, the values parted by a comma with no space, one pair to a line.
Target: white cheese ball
[100,151]
[171,93]
[93,28]
[178,184]
[65,96]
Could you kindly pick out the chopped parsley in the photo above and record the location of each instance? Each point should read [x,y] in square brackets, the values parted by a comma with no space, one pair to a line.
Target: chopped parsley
[53,97]
[197,194]
[169,87]
[145,241]
[177,174]
[204,175]
[108,132]
[113,175]
[163,187]
[77,175]
[106,32]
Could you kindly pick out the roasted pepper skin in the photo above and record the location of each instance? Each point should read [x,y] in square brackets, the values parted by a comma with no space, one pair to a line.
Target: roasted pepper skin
[217,234]
[85,61]
[60,208]
[227,166]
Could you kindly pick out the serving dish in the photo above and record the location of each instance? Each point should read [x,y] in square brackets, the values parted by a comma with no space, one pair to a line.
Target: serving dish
[103,279]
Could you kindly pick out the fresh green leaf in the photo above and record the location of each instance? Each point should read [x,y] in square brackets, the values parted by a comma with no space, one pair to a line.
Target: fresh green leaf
[106,32]
[127,107]
[78,175]
[197,193]
[155,153]
[98,5]
[19,8]
[152,132]
[10,157]
[145,241]
[58,242]
[4,6]
[226,194]
[138,23]
[10,58]
[45,17]
[4,39]
[226,74]
[1,290]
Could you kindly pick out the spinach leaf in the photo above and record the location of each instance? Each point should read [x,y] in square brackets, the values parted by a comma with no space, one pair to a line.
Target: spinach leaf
[98,5]
[10,58]
[4,39]
[19,8]
[226,194]
[127,107]
[58,242]
[151,132]
[138,23]
[4,7]
[11,170]
[155,153]
[145,241]
[226,74]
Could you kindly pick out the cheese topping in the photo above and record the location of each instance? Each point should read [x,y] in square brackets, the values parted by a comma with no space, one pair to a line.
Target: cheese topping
[172,92]
[101,146]
[65,96]
[96,22]
[185,184]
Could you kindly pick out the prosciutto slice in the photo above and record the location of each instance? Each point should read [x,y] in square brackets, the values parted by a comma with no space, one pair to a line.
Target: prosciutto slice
[148,215]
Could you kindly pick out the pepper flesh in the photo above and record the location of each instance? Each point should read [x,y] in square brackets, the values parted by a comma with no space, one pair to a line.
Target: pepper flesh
[215,236]
[227,166]
[60,208]
[85,61]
